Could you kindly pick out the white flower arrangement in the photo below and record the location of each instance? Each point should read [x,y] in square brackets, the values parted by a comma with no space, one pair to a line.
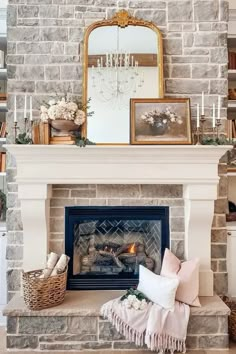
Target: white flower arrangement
[165,117]
[63,108]
[133,302]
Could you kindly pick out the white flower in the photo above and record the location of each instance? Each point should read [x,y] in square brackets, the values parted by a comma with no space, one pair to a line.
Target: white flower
[44,117]
[43,109]
[131,298]
[179,121]
[143,304]
[126,303]
[52,102]
[80,117]
[164,121]
[136,304]
[71,106]
[172,119]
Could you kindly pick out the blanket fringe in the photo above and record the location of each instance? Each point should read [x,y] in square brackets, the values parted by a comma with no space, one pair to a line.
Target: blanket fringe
[155,342]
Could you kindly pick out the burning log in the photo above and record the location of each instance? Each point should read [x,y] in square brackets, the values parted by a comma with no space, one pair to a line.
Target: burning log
[113,257]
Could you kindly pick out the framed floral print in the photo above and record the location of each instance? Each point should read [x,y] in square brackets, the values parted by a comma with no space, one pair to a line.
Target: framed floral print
[160,121]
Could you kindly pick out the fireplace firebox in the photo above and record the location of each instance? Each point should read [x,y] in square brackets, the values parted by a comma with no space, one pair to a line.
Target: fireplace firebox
[106,245]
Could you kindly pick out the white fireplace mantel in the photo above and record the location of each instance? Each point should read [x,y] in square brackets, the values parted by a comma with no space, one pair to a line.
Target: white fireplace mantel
[194,167]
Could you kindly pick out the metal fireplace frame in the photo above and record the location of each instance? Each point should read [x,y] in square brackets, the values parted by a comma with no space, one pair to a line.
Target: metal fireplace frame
[75,214]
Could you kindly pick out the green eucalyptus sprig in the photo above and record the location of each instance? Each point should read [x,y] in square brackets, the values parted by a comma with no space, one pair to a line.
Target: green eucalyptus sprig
[222,140]
[82,142]
[23,139]
[140,296]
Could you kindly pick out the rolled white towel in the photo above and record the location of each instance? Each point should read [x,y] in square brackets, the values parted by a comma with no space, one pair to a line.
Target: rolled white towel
[61,265]
[51,262]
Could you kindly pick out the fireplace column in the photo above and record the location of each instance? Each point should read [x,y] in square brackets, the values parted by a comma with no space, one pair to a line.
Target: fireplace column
[35,199]
[199,212]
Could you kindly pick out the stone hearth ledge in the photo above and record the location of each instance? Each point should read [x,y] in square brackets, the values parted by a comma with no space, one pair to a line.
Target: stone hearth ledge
[194,167]
[88,303]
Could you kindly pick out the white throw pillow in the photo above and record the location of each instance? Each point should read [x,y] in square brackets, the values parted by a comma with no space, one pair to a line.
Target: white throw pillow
[158,289]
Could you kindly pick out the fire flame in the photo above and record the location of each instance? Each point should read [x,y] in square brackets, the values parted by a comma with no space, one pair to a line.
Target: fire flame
[132,248]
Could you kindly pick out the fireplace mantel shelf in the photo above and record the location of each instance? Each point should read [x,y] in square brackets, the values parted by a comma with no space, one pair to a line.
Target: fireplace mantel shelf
[117,164]
[194,167]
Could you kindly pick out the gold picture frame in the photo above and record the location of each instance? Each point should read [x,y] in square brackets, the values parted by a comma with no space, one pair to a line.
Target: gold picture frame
[121,19]
[160,121]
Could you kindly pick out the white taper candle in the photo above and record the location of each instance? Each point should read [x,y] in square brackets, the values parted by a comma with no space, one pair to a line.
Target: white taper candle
[25,108]
[214,116]
[15,118]
[198,115]
[31,109]
[218,107]
[202,102]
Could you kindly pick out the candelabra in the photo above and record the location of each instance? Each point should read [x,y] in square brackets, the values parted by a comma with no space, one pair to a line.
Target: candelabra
[15,130]
[200,131]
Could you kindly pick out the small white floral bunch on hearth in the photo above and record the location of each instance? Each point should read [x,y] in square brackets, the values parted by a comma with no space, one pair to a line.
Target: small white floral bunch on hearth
[134,299]
[64,108]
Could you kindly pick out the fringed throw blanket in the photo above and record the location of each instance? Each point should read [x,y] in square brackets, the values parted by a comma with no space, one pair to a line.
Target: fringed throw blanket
[160,329]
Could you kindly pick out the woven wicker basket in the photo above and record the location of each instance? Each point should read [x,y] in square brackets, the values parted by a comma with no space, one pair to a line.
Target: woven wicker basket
[232,317]
[43,293]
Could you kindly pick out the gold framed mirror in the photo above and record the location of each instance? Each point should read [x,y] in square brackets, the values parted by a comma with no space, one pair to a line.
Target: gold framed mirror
[123,59]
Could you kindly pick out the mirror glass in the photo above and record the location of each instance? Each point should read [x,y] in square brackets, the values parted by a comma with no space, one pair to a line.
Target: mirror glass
[122,63]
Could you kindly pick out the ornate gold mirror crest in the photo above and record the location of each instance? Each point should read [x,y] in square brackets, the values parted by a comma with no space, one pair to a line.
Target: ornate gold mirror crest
[122,59]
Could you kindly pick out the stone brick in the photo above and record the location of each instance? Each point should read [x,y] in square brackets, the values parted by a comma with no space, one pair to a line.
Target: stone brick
[180,70]
[188,40]
[57,246]
[221,206]
[11,15]
[219,55]
[66,11]
[108,332]
[13,279]
[23,34]
[222,266]
[75,34]
[161,191]
[206,10]
[205,71]
[60,193]
[12,325]
[82,325]
[219,221]
[223,187]
[52,73]
[67,338]
[182,86]
[15,59]
[221,283]
[59,346]
[54,34]
[69,72]
[214,341]
[56,225]
[117,191]
[224,10]
[83,193]
[53,86]
[97,202]
[96,345]
[14,220]
[218,251]
[196,51]
[42,325]
[30,72]
[14,238]
[28,11]
[192,342]
[125,345]
[173,46]
[48,11]
[206,39]
[177,246]
[22,342]
[204,26]
[190,59]
[14,252]
[33,48]
[218,86]
[214,265]
[219,235]
[156,16]
[143,4]
[181,11]
[71,48]
[203,324]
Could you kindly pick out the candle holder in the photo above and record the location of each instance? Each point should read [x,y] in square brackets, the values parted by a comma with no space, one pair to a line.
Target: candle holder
[218,124]
[198,136]
[26,123]
[202,123]
[15,130]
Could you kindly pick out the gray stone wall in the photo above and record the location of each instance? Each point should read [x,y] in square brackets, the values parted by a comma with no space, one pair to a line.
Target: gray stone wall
[117,195]
[45,38]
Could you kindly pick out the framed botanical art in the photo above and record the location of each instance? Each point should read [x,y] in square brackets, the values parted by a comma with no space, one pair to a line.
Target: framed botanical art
[160,121]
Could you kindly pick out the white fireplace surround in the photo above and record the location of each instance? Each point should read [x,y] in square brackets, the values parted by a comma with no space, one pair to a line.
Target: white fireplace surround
[194,167]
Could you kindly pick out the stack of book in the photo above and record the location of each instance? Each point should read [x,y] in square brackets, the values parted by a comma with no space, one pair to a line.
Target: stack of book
[2,162]
[3,132]
[232,60]
[233,129]
[62,140]
[3,100]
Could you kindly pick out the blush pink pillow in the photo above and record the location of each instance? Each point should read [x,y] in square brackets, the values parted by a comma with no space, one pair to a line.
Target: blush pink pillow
[188,275]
